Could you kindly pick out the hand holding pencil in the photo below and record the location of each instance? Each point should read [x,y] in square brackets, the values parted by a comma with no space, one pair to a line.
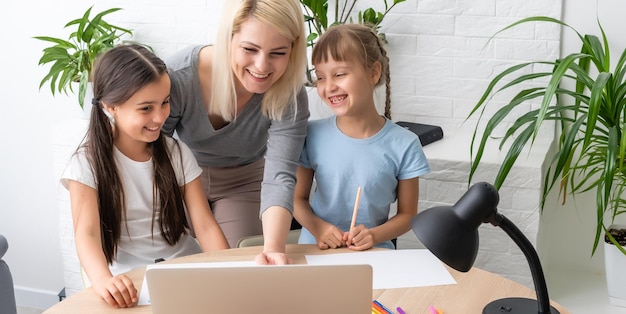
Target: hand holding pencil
[329,236]
[358,237]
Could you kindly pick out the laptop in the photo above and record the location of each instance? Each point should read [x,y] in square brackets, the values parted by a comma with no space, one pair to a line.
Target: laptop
[273,289]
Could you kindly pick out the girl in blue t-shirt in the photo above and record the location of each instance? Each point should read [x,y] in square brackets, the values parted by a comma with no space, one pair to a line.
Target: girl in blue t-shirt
[356,147]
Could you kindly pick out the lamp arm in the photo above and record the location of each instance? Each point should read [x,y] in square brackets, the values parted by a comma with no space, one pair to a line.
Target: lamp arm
[529,251]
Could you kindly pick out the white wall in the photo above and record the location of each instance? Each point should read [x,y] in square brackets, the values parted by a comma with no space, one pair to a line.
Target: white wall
[29,218]
[440,65]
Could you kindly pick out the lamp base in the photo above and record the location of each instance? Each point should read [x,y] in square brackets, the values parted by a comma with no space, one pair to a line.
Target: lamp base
[515,306]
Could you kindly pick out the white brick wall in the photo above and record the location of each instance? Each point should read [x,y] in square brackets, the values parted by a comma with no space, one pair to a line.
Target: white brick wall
[440,65]
[519,199]
[65,139]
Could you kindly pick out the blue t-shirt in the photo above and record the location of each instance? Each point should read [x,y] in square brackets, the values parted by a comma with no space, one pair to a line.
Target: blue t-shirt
[341,164]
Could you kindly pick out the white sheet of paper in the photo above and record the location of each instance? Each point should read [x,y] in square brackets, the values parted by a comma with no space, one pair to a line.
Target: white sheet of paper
[144,295]
[393,268]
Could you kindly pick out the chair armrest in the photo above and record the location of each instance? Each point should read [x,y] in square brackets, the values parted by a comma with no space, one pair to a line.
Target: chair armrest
[4,245]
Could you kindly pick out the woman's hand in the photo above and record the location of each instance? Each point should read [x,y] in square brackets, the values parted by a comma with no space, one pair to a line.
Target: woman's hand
[273,258]
[359,239]
[276,221]
[117,291]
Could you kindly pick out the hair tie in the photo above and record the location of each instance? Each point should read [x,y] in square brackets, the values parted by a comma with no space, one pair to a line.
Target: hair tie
[95,101]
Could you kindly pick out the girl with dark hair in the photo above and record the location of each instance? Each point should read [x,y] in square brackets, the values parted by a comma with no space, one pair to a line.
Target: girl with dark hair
[131,187]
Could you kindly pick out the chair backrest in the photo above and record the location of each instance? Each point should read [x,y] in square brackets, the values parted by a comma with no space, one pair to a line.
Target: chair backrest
[7,292]
[256,240]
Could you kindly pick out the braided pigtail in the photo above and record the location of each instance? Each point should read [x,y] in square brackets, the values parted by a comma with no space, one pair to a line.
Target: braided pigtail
[385,68]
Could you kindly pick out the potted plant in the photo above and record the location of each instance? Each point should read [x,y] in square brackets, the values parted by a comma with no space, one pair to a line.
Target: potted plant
[73,58]
[316,18]
[586,98]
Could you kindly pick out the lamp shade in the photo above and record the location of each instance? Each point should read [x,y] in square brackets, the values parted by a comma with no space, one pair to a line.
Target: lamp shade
[451,232]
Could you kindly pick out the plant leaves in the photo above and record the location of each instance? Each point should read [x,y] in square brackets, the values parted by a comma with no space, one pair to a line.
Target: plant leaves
[72,58]
[591,151]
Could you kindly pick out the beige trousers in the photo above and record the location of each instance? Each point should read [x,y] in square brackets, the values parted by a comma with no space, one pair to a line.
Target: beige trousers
[234,195]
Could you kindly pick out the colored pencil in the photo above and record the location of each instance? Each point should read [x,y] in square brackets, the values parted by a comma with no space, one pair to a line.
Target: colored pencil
[356,208]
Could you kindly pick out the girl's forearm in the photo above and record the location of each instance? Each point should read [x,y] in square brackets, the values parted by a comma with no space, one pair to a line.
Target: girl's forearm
[211,238]
[92,259]
[392,228]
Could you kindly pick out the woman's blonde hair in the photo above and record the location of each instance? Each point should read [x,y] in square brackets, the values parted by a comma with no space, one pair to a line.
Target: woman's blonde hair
[286,17]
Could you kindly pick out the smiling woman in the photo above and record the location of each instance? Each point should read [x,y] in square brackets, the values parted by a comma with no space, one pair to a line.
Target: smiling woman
[241,107]
[260,58]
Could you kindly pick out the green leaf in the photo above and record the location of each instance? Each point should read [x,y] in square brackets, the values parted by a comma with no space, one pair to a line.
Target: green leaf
[595,103]
[370,17]
[493,83]
[60,42]
[82,89]
[311,37]
[557,75]
[512,154]
[80,33]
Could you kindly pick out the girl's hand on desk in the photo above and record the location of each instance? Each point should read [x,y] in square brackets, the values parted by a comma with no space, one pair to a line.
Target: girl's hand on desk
[117,291]
[329,237]
[359,239]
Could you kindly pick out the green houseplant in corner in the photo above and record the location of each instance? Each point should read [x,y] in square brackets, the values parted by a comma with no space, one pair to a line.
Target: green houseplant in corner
[586,98]
[73,58]
[316,17]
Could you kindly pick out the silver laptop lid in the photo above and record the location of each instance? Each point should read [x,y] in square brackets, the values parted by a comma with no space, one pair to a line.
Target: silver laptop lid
[261,289]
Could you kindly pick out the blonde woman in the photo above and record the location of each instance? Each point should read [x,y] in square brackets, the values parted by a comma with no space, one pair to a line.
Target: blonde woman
[240,106]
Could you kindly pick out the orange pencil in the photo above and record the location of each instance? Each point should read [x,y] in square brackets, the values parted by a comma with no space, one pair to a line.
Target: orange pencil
[377,308]
[356,208]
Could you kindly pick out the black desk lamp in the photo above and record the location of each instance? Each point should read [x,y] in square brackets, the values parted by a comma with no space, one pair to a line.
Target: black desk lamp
[451,234]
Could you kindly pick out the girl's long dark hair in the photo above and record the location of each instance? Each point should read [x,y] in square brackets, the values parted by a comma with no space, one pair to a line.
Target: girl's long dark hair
[117,75]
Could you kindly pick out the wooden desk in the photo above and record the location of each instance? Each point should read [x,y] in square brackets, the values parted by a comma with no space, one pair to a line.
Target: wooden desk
[472,292]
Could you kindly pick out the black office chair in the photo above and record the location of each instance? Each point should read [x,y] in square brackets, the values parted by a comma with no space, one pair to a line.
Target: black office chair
[295,224]
[7,292]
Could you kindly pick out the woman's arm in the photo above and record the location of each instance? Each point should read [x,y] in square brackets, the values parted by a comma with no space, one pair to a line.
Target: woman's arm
[208,231]
[326,234]
[117,291]
[284,145]
[276,221]
[408,196]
